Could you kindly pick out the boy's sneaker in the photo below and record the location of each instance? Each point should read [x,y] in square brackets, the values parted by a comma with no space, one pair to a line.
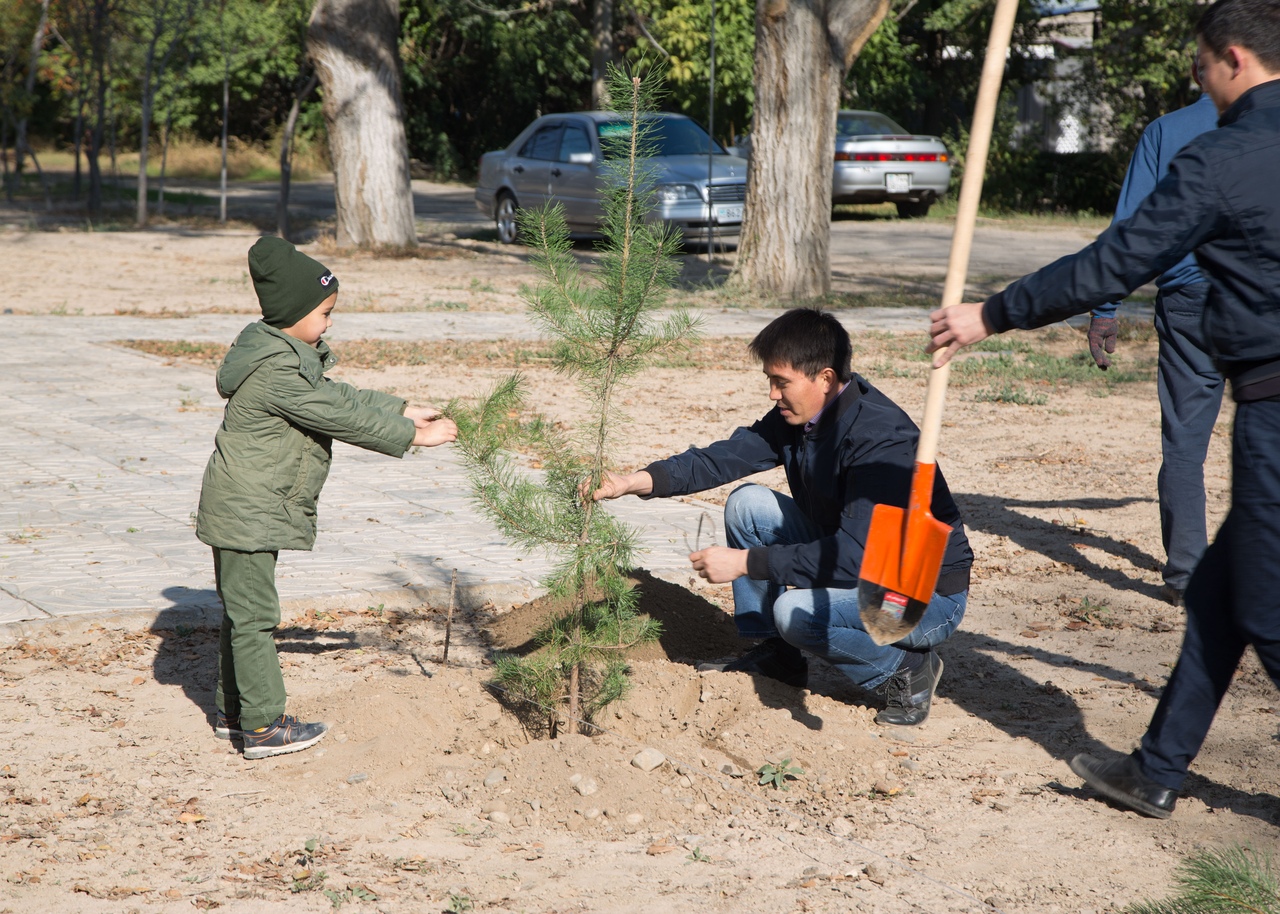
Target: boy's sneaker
[283,735]
[226,727]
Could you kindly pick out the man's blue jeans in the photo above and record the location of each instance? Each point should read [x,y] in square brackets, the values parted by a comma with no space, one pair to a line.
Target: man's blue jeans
[823,621]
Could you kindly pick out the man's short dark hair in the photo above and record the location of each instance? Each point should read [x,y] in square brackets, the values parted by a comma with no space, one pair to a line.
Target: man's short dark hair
[807,339]
[1250,24]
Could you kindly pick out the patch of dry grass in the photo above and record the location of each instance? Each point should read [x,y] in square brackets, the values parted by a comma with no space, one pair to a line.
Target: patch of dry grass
[1051,356]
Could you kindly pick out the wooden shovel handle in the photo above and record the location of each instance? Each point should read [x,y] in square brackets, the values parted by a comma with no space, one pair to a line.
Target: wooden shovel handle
[975,167]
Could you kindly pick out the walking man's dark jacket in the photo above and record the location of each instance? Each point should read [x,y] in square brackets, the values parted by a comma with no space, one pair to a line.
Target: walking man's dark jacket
[1210,203]
[860,453]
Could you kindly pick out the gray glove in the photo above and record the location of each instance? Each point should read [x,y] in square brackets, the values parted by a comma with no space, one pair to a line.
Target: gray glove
[1102,339]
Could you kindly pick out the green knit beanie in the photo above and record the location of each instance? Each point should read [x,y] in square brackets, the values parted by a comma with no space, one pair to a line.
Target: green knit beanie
[289,283]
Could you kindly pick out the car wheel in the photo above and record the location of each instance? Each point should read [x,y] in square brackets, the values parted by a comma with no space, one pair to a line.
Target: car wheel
[911,210]
[505,219]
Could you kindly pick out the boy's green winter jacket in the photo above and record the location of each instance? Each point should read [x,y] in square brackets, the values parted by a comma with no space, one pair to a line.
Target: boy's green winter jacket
[271,455]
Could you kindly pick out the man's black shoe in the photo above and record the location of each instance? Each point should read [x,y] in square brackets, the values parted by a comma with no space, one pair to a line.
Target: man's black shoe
[1121,780]
[1172,595]
[909,693]
[772,657]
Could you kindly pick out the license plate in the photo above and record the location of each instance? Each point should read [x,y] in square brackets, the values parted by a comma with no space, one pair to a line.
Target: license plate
[897,184]
[728,213]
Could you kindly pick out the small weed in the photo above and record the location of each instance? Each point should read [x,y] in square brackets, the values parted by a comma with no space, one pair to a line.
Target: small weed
[461,831]
[779,774]
[1093,613]
[352,893]
[131,530]
[458,904]
[478,286]
[697,856]
[1012,394]
[446,306]
[308,881]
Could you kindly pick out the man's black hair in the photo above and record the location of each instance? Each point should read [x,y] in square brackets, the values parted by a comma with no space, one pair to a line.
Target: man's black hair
[1250,24]
[807,339]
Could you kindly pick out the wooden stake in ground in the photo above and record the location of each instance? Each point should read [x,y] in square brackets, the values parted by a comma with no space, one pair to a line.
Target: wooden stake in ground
[448,619]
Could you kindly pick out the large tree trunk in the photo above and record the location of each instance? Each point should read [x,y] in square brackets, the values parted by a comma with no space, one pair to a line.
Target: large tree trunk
[353,46]
[804,48]
[601,50]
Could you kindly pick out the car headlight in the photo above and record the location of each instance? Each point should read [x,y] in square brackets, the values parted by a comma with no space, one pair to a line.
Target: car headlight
[669,194]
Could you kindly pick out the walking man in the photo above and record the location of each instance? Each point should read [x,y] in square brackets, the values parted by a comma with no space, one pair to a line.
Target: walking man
[1188,383]
[1221,199]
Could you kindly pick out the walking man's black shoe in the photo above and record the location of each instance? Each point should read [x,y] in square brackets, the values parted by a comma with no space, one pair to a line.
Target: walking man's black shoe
[1122,781]
[909,693]
[772,657]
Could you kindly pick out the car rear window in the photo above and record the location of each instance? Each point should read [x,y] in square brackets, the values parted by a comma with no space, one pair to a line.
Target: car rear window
[867,124]
[669,136]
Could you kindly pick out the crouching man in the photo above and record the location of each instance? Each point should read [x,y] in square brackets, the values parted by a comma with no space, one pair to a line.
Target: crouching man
[794,560]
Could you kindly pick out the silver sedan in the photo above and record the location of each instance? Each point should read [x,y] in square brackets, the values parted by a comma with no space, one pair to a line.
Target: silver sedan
[879,161]
[560,158]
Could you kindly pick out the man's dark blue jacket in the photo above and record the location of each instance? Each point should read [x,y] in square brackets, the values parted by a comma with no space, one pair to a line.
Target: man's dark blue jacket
[1221,199]
[861,452]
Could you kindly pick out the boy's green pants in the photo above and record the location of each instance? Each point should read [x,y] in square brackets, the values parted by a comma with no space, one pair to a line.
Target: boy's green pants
[250,684]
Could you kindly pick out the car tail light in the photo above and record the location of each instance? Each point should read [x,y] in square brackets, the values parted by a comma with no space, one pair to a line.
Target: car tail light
[891,157]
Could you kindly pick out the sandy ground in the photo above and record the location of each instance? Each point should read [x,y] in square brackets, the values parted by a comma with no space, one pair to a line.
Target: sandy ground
[429,796]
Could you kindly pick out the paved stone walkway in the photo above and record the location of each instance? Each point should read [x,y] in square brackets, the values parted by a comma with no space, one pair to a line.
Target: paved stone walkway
[102,450]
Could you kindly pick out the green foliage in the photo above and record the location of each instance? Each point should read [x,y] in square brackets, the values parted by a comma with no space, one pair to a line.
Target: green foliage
[475,75]
[922,65]
[602,334]
[1233,880]
[682,29]
[778,775]
[1140,66]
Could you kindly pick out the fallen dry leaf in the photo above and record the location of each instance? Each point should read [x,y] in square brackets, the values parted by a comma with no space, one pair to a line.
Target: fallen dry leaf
[656,849]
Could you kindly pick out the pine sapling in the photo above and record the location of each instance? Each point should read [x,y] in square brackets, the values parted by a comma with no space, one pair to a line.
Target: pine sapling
[604,332]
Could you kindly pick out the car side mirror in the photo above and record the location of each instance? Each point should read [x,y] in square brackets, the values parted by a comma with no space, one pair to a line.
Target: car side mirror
[581,158]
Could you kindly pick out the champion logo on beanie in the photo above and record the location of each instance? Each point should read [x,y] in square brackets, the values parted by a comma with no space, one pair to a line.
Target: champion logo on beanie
[290,285]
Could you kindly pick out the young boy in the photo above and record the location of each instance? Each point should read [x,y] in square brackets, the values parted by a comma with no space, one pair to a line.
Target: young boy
[270,459]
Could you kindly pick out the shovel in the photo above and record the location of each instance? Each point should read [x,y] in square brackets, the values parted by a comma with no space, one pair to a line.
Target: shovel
[904,549]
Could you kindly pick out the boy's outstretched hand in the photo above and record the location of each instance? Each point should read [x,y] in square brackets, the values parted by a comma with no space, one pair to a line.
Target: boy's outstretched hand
[421,412]
[431,432]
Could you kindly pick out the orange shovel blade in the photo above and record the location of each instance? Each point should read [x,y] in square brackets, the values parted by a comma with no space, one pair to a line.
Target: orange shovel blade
[901,562]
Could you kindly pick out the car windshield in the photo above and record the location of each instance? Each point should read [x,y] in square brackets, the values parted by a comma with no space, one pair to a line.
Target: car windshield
[669,136]
[867,123]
